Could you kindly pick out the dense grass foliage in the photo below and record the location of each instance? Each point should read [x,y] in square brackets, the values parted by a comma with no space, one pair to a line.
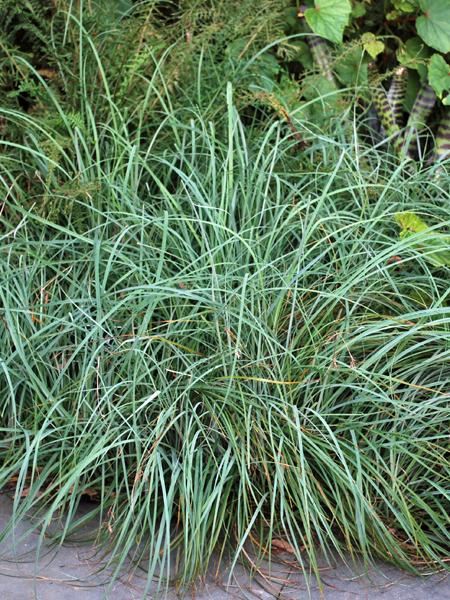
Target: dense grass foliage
[220,339]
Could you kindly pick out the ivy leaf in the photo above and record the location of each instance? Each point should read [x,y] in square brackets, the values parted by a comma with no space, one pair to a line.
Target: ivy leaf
[329,18]
[439,74]
[434,25]
[372,45]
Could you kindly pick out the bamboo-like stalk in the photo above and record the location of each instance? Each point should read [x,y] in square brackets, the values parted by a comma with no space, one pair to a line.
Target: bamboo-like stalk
[397,92]
[384,109]
[421,110]
[442,143]
[386,115]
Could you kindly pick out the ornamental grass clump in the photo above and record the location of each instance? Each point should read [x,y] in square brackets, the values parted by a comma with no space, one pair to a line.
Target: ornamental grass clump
[222,344]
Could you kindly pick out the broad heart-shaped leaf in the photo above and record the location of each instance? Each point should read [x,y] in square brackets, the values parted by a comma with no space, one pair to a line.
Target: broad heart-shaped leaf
[434,25]
[371,44]
[329,18]
[439,74]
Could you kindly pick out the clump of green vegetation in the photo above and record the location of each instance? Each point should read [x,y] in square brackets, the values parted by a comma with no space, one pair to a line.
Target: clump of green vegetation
[209,323]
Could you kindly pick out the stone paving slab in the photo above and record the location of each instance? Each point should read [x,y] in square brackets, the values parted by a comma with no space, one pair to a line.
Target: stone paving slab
[68,575]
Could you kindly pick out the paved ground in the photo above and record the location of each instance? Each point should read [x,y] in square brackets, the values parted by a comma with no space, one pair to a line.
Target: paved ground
[69,576]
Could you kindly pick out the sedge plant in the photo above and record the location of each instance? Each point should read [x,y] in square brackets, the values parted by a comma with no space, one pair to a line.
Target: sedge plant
[220,341]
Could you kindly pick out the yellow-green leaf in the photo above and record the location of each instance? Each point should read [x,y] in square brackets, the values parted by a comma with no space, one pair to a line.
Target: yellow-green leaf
[372,45]
[434,246]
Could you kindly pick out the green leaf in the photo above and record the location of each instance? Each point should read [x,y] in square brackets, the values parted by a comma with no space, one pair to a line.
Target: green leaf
[392,15]
[372,45]
[351,68]
[359,10]
[446,100]
[439,75]
[410,223]
[286,91]
[414,55]
[303,54]
[323,102]
[264,71]
[290,17]
[434,246]
[329,18]
[405,6]
[434,25]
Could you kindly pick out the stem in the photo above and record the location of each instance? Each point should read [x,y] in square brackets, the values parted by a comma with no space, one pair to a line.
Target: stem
[442,147]
[421,110]
[397,92]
